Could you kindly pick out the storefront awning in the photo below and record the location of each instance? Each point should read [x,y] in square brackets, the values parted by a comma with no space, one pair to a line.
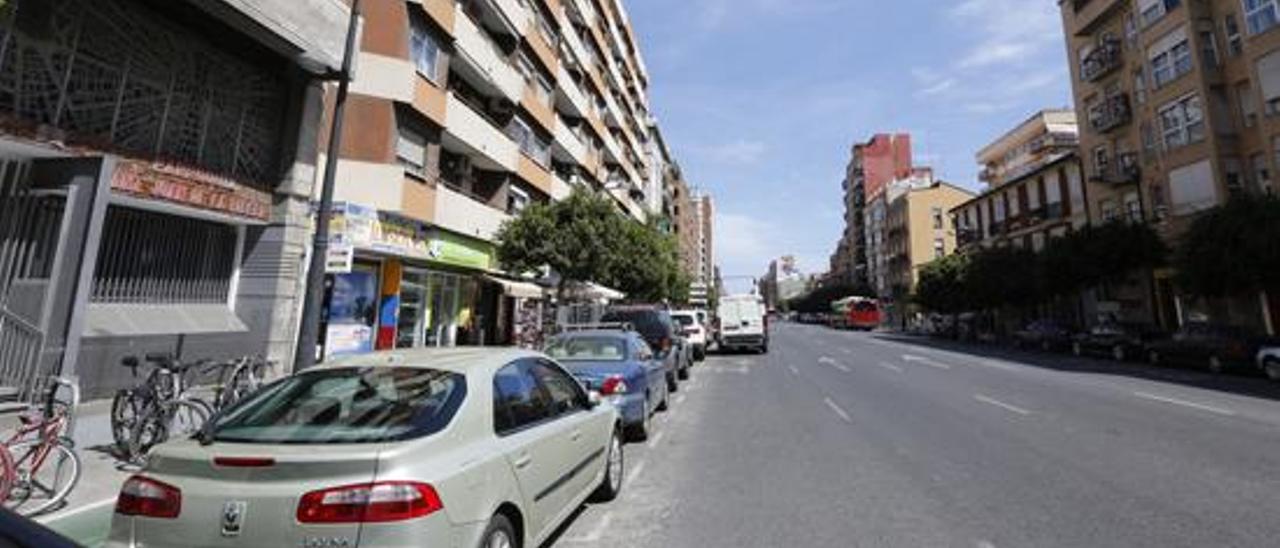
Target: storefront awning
[593,292]
[522,290]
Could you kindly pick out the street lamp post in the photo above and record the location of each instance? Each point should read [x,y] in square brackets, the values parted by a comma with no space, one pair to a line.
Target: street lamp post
[308,334]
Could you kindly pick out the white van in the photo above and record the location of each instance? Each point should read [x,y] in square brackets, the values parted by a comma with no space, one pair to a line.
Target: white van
[743,324]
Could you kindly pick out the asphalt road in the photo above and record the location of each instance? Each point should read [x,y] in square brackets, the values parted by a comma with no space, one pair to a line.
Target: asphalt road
[850,439]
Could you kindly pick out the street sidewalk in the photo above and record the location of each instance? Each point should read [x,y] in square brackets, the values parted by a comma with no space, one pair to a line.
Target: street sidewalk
[85,516]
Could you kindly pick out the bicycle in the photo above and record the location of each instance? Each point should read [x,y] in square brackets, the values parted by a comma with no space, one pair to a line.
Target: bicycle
[157,409]
[245,377]
[38,464]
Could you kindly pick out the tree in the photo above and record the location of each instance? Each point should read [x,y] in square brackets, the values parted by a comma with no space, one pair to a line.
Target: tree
[1233,250]
[819,300]
[584,238]
[942,286]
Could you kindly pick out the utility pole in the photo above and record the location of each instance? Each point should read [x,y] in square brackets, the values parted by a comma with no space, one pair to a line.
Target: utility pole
[304,355]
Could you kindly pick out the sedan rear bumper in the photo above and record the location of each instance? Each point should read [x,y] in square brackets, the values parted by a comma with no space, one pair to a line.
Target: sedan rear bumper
[630,407]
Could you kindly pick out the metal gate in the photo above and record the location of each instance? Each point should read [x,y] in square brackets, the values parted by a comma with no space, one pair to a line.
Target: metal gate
[30,227]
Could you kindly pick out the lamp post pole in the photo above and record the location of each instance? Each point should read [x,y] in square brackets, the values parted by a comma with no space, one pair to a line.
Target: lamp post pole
[308,333]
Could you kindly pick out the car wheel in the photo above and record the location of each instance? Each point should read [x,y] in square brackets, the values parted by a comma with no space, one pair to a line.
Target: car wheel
[499,534]
[1215,365]
[672,385]
[1119,353]
[1153,357]
[1077,349]
[1272,368]
[640,432]
[683,374]
[614,468]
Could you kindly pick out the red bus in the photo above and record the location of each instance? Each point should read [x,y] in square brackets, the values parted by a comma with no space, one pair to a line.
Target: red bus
[864,313]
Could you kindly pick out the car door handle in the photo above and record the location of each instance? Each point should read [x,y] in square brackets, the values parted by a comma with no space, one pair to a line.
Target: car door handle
[577,434]
[523,461]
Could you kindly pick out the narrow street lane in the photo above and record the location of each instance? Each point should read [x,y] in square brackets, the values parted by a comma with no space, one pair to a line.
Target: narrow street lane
[852,439]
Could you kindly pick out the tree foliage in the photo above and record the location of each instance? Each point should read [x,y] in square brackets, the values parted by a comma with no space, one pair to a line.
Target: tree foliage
[584,238]
[987,279]
[1233,250]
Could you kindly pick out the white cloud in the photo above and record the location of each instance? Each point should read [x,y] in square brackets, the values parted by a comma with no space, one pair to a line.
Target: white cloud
[938,87]
[744,244]
[1012,30]
[741,151]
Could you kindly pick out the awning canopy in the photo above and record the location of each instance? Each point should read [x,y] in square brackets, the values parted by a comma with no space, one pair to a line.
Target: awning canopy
[521,290]
[589,291]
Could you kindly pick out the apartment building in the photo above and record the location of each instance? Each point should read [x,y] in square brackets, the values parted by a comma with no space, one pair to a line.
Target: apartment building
[704,210]
[463,113]
[914,230]
[1035,187]
[687,227]
[157,161]
[872,166]
[1180,101]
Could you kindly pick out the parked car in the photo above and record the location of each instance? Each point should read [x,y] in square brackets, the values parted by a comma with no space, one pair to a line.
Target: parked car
[743,324]
[1269,361]
[621,367]
[654,323]
[1116,340]
[1213,346]
[693,329]
[441,447]
[1047,335]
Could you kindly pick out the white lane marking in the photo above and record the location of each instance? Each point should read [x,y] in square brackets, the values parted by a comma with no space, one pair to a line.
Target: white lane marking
[843,416]
[635,473]
[842,367]
[793,369]
[1185,403]
[653,442]
[846,350]
[925,361]
[985,544]
[680,399]
[827,360]
[992,401]
[998,365]
[743,362]
[890,367]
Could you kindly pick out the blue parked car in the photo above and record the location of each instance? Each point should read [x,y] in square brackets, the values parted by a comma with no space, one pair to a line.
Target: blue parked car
[621,367]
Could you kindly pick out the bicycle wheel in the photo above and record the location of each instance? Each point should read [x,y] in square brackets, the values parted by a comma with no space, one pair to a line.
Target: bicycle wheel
[126,408]
[43,479]
[7,473]
[176,420]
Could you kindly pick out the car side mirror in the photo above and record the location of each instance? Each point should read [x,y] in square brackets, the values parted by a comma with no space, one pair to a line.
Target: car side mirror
[594,399]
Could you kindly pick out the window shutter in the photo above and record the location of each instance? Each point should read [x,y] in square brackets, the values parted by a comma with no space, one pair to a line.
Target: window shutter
[1269,76]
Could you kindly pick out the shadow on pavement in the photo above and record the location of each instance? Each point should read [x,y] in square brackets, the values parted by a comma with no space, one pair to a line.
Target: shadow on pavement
[1232,383]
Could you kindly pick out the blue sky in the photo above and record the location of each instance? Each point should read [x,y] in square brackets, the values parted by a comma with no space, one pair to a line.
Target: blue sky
[761,100]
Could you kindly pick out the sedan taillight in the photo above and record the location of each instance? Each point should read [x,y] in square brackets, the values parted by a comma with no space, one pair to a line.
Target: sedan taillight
[378,502]
[143,496]
[613,386]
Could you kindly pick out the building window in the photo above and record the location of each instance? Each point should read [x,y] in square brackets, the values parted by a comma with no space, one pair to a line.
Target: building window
[534,78]
[1209,48]
[1154,10]
[411,151]
[1133,207]
[423,47]
[1101,160]
[1139,86]
[517,200]
[1261,172]
[532,144]
[1235,42]
[1131,29]
[1182,122]
[1261,15]
[1170,58]
[1110,211]
[939,248]
[1148,140]
[1269,82]
[1248,104]
[154,258]
[937,218]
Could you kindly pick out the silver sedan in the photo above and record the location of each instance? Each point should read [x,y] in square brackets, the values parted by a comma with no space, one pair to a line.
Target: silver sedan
[464,448]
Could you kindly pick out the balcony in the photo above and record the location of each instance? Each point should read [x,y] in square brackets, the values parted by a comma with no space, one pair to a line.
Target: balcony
[483,59]
[1125,172]
[1102,61]
[468,129]
[571,96]
[1111,113]
[515,15]
[460,213]
[570,144]
[1090,14]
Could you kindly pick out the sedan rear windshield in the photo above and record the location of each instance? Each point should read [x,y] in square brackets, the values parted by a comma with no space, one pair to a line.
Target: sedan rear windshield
[346,405]
[594,349]
[684,320]
[647,322]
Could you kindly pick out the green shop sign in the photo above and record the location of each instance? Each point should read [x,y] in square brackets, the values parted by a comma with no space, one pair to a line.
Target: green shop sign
[451,249]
